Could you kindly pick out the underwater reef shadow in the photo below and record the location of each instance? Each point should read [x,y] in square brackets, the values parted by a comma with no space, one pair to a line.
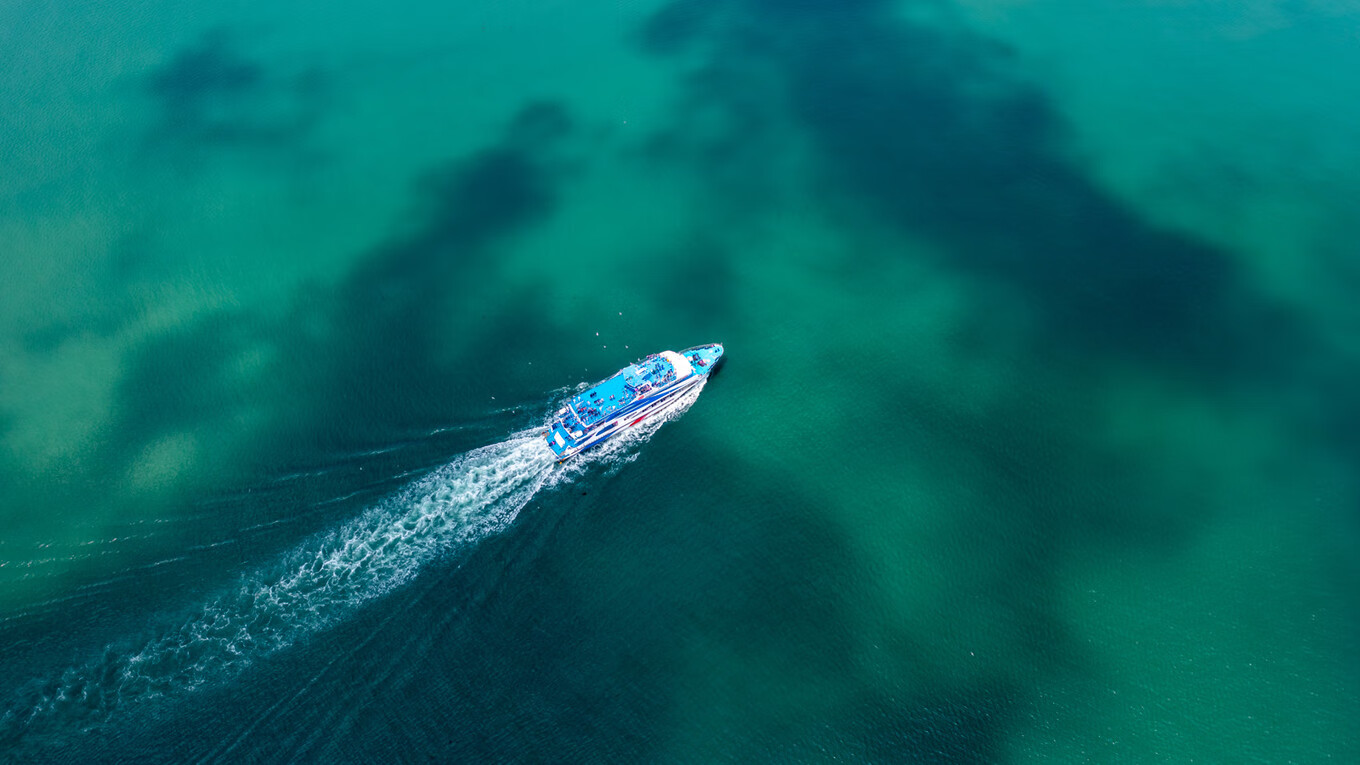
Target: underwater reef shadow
[923,124]
[759,602]
[390,318]
[211,97]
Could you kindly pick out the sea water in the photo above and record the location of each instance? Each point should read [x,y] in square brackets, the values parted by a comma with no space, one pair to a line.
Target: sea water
[1036,439]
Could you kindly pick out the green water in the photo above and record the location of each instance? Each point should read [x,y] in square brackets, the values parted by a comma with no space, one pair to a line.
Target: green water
[1036,440]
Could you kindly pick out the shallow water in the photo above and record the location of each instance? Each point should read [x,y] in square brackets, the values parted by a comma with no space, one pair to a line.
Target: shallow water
[1036,437]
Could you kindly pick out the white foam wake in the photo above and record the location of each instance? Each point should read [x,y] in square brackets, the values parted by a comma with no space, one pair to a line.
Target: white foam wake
[317,584]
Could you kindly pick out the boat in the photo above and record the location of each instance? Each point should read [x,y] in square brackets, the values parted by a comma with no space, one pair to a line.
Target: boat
[640,390]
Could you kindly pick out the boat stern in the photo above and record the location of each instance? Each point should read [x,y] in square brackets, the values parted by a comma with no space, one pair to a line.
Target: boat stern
[560,441]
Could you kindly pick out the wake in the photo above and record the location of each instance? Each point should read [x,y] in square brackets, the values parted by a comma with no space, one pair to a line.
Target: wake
[315,586]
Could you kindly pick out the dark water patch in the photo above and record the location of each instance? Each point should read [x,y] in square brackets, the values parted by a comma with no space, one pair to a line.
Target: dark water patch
[729,129]
[538,125]
[816,11]
[960,725]
[496,191]
[695,286]
[386,328]
[210,69]
[211,94]
[463,206]
[50,336]
[925,125]
[680,24]
[1048,484]
[758,597]
[87,320]
[676,25]
[1026,504]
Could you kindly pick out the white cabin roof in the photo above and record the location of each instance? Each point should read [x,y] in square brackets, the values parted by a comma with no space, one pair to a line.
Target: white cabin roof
[681,364]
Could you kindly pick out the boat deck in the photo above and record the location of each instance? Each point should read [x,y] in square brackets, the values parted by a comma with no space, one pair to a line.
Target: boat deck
[601,401]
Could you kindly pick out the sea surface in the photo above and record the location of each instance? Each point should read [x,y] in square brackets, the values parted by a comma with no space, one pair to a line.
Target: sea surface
[1038,438]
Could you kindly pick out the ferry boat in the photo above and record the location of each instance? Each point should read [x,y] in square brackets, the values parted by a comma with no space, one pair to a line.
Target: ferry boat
[636,392]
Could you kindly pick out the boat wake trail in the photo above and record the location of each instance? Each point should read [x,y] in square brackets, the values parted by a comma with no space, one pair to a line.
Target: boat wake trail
[315,586]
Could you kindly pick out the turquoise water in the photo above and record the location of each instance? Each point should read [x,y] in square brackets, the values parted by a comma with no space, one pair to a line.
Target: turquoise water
[1036,440]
